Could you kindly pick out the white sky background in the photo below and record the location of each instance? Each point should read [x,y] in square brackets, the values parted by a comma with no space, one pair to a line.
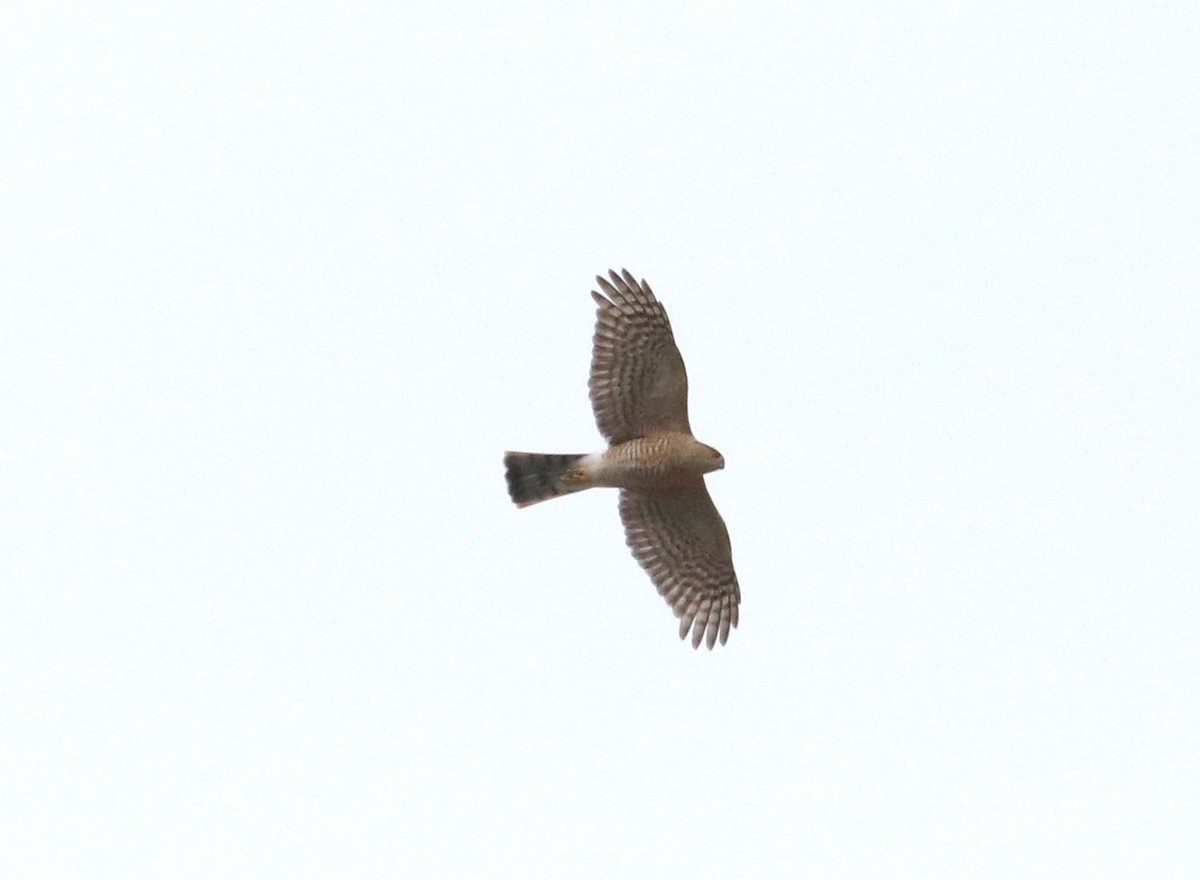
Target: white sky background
[281,284]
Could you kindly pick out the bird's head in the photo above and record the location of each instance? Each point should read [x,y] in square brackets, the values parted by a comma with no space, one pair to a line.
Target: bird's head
[713,460]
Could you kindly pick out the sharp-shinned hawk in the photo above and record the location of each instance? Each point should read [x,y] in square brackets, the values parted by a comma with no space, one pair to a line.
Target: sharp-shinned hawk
[638,387]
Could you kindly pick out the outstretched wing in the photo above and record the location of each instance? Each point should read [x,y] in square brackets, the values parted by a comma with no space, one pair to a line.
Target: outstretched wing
[638,384]
[680,540]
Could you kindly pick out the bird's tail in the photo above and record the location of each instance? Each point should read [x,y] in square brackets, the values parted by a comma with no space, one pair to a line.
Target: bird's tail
[535,476]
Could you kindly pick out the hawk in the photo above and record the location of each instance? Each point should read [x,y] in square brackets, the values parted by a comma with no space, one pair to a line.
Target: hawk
[638,388]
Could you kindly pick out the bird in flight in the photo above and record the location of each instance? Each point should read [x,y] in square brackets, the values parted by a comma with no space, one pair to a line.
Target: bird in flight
[638,388]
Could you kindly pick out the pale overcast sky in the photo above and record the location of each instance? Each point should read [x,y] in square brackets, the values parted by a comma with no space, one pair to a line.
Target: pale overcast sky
[281,283]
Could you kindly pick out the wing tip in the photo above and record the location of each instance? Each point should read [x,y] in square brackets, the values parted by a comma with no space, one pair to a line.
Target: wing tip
[709,625]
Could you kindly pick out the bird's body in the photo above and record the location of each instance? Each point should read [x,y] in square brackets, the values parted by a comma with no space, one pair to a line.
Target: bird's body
[638,387]
[656,463]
